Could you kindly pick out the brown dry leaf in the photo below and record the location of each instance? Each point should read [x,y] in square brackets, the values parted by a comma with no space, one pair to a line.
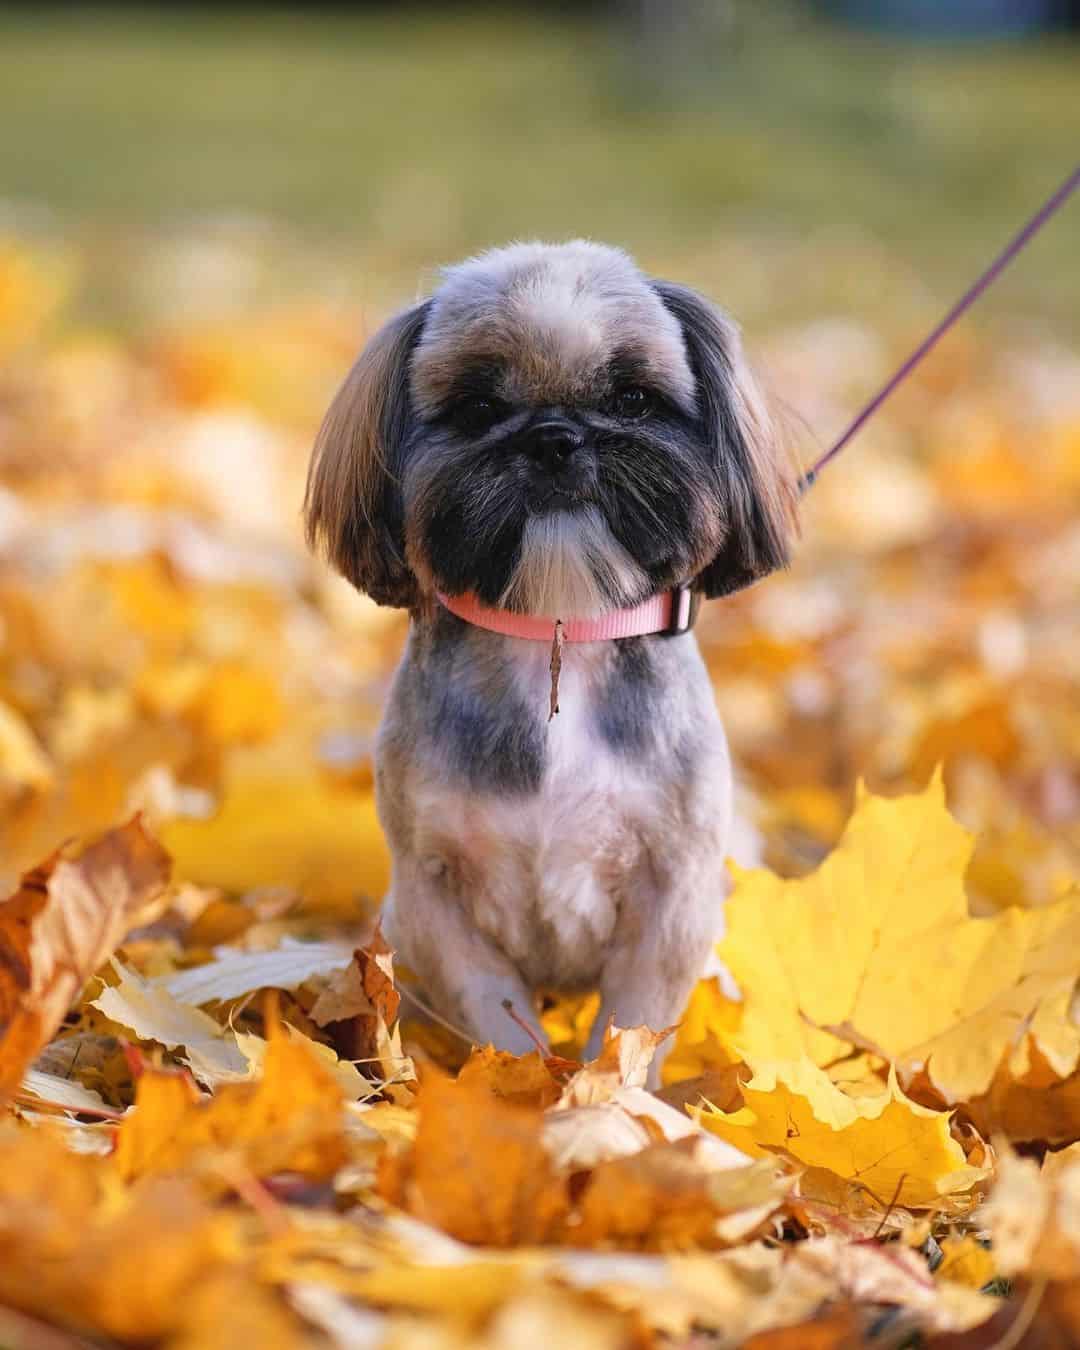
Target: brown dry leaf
[291,1120]
[359,1008]
[1040,1107]
[67,918]
[362,995]
[478,1169]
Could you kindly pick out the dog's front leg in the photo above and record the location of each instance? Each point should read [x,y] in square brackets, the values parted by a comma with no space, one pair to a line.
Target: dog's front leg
[649,975]
[461,973]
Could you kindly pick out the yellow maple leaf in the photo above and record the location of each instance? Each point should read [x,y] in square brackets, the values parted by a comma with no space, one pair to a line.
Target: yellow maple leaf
[886,1145]
[704,1037]
[966,1261]
[877,947]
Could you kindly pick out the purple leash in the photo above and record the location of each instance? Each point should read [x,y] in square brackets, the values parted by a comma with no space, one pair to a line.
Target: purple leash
[990,275]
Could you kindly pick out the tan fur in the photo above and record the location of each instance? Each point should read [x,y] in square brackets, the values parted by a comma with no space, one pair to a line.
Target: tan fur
[554,315]
[350,469]
[773,466]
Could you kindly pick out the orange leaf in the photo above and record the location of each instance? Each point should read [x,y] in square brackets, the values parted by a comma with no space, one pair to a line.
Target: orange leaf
[291,1120]
[67,917]
[478,1169]
[524,1080]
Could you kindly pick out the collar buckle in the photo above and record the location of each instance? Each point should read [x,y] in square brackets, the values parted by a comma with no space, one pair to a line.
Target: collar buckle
[685,604]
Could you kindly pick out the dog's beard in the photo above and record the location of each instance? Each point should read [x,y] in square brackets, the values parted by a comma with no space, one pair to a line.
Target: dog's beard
[571,566]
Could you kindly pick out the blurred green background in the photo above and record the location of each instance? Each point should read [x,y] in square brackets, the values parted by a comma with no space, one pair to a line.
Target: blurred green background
[782,159]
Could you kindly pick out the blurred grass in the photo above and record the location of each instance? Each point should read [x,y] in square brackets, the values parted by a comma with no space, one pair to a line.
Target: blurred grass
[407,138]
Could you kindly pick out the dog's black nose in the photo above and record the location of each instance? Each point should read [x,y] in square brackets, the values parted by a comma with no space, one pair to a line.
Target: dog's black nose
[554,443]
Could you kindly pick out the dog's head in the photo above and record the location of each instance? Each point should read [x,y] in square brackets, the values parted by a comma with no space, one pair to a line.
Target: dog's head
[556,433]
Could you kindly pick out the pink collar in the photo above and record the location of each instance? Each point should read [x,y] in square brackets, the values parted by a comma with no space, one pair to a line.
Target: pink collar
[669,613]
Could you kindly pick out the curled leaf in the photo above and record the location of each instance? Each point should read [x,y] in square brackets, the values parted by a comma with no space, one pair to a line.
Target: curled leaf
[65,920]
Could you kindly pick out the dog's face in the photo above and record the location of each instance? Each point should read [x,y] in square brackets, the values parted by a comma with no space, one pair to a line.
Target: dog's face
[556,433]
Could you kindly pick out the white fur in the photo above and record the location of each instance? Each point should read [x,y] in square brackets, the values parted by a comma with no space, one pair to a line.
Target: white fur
[565,559]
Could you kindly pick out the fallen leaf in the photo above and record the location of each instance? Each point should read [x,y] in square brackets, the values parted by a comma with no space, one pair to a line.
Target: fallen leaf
[238,704]
[360,1004]
[50,1087]
[232,973]
[703,1039]
[290,1120]
[623,1061]
[888,1146]
[151,1013]
[666,1197]
[65,920]
[966,1261]
[478,1169]
[878,947]
[835,1329]
[348,1326]
[68,1238]
[869,1273]
[228,1308]
[523,1080]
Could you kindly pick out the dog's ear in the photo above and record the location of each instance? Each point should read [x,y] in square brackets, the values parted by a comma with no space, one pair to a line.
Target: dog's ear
[353,508]
[757,478]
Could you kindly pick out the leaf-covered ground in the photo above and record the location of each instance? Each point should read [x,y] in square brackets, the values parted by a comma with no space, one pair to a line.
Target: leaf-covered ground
[223,1125]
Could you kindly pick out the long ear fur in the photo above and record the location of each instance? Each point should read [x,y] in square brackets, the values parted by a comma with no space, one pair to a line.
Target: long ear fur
[757,477]
[352,507]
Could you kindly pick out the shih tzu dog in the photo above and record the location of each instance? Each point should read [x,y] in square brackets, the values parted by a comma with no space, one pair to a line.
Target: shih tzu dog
[547,463]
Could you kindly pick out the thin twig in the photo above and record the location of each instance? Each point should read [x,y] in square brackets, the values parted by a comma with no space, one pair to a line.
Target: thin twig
[891,1205]
[435,1017]
[528,1030]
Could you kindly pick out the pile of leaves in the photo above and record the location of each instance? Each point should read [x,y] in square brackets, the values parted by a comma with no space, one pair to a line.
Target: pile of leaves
[224,1118]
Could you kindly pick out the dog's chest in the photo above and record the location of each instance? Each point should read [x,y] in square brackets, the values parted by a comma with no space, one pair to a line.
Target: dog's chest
[546,871]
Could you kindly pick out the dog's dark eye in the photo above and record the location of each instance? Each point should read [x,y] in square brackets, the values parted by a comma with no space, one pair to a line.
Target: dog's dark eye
[475,415]
[633,403]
